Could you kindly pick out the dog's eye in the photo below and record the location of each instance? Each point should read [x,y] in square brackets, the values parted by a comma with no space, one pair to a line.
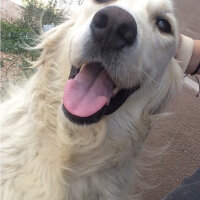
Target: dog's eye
[102,1]
[163,25]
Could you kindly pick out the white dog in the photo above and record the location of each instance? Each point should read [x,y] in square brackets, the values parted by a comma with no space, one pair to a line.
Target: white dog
[76,137]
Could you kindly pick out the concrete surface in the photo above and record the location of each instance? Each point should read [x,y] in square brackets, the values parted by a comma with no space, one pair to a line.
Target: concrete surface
[181,131]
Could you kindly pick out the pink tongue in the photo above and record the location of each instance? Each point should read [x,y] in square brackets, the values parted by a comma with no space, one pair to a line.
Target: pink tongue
[88,92]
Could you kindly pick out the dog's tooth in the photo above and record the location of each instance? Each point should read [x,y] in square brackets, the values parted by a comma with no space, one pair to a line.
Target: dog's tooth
[108,103]
[115,91]
[82,66]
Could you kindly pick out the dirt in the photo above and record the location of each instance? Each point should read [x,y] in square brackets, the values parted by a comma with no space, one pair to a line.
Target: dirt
[180,131]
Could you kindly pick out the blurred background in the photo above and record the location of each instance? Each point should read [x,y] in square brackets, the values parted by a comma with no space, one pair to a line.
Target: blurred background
[22,21]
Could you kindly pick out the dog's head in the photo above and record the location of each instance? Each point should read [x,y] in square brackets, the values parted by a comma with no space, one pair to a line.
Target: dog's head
[116,49]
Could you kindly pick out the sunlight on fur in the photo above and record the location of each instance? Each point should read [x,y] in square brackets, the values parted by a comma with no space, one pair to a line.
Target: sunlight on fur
[47,154]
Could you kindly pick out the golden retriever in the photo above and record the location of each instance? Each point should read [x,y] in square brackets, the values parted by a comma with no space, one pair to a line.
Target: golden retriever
[74,131]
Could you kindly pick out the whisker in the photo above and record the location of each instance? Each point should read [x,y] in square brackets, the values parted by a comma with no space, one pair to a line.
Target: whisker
[150,77]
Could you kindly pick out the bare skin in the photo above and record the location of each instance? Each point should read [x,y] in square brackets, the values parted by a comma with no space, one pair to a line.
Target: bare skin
[188,53]
[195,59]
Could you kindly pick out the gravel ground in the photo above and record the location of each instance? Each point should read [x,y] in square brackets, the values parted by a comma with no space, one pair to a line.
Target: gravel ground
[181,131]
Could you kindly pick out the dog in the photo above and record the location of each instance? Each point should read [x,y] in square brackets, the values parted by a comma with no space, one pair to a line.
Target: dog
[73,132]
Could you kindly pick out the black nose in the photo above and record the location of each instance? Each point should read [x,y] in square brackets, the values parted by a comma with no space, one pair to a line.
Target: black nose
[113,27]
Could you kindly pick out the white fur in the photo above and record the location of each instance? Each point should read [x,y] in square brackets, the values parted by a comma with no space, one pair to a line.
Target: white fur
[46,157]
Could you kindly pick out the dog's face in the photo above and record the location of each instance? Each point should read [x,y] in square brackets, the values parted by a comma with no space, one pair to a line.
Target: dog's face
[116,48]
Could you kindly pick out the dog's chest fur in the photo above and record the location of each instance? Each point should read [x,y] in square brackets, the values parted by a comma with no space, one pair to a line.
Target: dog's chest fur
[51,158]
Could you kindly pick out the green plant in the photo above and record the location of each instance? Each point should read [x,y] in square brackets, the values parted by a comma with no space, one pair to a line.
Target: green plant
[15,37]
[37,14]
[18,35]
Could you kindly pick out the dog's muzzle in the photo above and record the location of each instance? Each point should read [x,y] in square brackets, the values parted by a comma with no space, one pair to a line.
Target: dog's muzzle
[89,92]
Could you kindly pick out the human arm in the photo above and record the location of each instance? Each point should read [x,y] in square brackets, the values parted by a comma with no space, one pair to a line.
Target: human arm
[188,55]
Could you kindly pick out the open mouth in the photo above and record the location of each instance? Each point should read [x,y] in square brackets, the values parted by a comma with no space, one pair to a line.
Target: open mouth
[90,94]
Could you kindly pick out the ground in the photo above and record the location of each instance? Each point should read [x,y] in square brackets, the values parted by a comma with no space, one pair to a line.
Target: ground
[180,131]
